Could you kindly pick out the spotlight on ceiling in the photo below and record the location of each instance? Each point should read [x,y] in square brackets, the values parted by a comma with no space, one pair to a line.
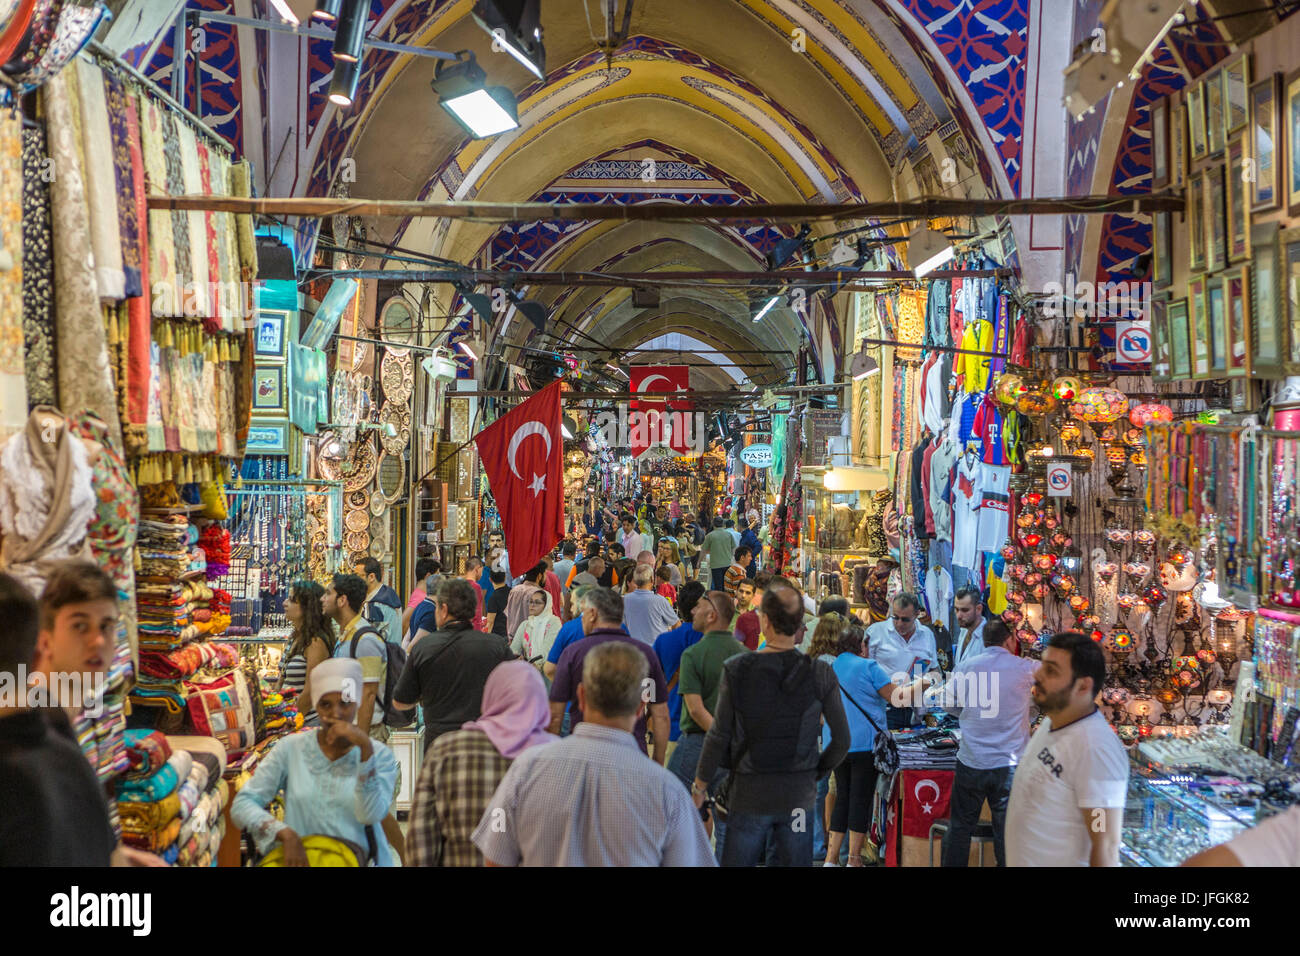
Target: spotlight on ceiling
[862,366]
[534,312]
[787,247]
[516,28]
[343,84]
[568,427]
[927,250]
[766,307]
[462,92]
[350,35]
[327,10]
[478,301]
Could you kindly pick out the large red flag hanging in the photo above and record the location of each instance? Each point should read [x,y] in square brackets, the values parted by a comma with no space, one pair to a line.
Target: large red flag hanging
[653,379]
[523,454]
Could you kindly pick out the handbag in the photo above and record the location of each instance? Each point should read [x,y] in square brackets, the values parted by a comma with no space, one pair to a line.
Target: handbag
[885,750]
[323,850]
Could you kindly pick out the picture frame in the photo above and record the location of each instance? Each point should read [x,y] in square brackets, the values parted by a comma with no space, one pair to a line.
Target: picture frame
[1180,354]
[1238,172]
[1160,153]
[1266,144]
[1216,219]
[1196,223]
[1162,250]
[1292,120]
[268,438]
[1289,260]
[1216,326]
[1267,313]
[1198,327]
[1160,343]
[271,337]
[1236,326]
[1214,118]
[1196,121]
[269,392]
[1236,94]
[1177,142]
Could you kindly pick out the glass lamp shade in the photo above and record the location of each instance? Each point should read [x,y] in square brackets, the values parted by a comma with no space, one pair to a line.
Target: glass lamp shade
[1008,388]
[1148,412]
[1099,404]
[1066,388]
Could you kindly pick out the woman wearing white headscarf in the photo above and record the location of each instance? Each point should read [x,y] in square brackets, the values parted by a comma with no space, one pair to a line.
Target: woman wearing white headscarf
[337,780]
[463,768]
[534,637]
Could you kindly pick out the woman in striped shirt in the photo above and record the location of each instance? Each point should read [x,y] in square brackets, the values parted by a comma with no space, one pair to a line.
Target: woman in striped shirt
[312,640]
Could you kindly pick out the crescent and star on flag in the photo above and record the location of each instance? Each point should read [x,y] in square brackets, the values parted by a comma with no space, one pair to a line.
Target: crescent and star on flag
[538,484]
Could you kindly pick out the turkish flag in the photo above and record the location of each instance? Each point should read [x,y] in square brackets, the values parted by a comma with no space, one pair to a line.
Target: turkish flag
[656,379]
[523,455]
[926,797]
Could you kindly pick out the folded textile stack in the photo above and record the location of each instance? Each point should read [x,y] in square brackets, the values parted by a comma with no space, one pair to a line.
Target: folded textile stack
[163,548]
[148,799]
[185,662]
[215,542]
[282,716]
[162,614]
[209,609]
[203,797]
[914,754]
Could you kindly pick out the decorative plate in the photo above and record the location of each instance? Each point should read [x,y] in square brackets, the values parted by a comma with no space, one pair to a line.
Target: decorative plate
[392,476]
[391,414]
[358,520]
[397,374]
[359,472]
[357,541]
[378,527]
[378,504]
[356,557]
[358,499]
[378,548]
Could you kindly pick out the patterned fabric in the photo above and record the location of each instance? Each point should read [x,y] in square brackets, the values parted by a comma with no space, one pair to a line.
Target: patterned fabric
[213,320]
[101,181]
[85,376]
[77,24]
[128,217]
[180,219]
[38,274]
[140,309]
[461,772]
[192,183]
[45,24]
[112,532]
[147,750]
[162,237]
[13,371]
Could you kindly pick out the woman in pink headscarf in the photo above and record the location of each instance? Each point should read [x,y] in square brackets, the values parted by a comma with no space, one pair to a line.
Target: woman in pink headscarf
[463,768]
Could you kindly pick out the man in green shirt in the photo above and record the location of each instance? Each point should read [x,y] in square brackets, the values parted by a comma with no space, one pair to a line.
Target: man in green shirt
[719,545]
[700,676]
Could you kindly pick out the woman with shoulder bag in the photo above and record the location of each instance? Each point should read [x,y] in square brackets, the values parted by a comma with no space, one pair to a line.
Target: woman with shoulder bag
[338,784]
[866,688]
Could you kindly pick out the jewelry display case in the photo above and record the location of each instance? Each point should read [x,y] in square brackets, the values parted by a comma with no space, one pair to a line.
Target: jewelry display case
[1165,823]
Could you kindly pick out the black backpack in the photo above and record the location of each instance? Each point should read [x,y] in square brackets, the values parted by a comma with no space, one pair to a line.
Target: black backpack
[393,718]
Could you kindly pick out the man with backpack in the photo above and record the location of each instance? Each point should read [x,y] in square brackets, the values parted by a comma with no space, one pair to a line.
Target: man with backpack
[359,640]
[448,667]
[766,726]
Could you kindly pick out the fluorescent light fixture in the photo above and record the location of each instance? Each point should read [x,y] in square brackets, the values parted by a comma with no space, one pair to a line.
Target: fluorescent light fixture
[863,365]
[768,306]
[515,27]
[350,34]
[467,350]
[343,84]
[285,11]
[927,250]
[327,10]
[481,110]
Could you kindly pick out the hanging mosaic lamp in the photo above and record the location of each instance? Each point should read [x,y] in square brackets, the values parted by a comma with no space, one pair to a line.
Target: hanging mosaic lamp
[1099,404]
[1009,387]
[1066,388]
[1148,412]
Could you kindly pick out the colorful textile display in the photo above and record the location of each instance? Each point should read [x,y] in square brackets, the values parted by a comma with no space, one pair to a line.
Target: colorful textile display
[101,182]
[158,785]
[13,371]
[38,273]
[147,751]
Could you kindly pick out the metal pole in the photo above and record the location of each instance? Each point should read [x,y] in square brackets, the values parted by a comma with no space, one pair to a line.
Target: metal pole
[318,33]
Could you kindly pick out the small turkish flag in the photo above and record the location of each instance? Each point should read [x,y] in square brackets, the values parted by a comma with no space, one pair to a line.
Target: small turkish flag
[650,380]
[523,455]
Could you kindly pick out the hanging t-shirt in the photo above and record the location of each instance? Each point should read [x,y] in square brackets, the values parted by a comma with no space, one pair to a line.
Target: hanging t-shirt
[974,368]
[995,506]
[965,416]
[1061,773]
[997,584]
[988,431]
[937,306]
[956,318]
[1020,343]
[1001,335]
[965,511]
[926,479]
[942,463]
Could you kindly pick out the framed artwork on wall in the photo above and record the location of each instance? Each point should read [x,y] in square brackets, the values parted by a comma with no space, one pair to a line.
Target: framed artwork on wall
[1216,220]
[1198,323]
[1196,223]
[271,343]
[1236,85]
[1215,326]
[1160,346]
[1290,262]
[1266,153]
[1267,313]
[1180,355]
[1162,250]
[1291,117]
[1239,172]
[269,396]
[1160,143]
[1177,142]
[1214,121]
[268,438]
[1236,326]
[1196,121]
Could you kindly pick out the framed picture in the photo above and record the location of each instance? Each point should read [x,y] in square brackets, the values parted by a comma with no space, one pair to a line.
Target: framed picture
[1267,314]
[1180,355]
[1177,142]
[1160,143]
[1292,127]
[1196,223]
[1216,220]
[1198,324]
[272,341]
[269,398]
[1265,143]
[1214,122]
[1290,260]
[1215,326]
[1160,367]
[1196,121]
[1236,85]
[1238,171]
[1236,326]
[268,438]
[1162,250]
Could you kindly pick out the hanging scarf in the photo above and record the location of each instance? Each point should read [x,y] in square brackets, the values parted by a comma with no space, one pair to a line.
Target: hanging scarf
[125,158]
[161,237]
[197,305]
[216,320]
[13,370]
[85,377]
[241,185]
[180,218]
[101,182]
[38,274]
[139,309]
[515,709]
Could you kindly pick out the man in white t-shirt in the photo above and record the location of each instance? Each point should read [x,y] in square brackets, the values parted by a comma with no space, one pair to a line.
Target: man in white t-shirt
[1071,782]
[1275,842]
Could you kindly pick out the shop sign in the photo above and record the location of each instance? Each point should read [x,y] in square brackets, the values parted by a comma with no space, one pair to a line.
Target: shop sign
[1133,342]
[1060,480]
[757,456]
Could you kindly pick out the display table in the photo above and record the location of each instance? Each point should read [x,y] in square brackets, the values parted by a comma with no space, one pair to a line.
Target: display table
[920,799]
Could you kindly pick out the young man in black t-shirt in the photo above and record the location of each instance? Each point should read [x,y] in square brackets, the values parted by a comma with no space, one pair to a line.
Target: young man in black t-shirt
[495,607]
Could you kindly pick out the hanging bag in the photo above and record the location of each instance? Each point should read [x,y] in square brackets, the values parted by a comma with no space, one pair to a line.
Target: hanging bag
[884,750]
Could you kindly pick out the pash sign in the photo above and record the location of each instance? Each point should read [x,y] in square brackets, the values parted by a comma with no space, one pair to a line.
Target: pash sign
[757,455]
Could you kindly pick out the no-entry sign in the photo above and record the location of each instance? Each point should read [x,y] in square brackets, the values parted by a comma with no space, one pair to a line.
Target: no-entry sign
[1133,342]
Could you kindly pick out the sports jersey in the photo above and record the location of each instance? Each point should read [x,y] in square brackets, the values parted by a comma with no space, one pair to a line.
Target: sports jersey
[974,369]
[988,430]
[994,524]
[966,492]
